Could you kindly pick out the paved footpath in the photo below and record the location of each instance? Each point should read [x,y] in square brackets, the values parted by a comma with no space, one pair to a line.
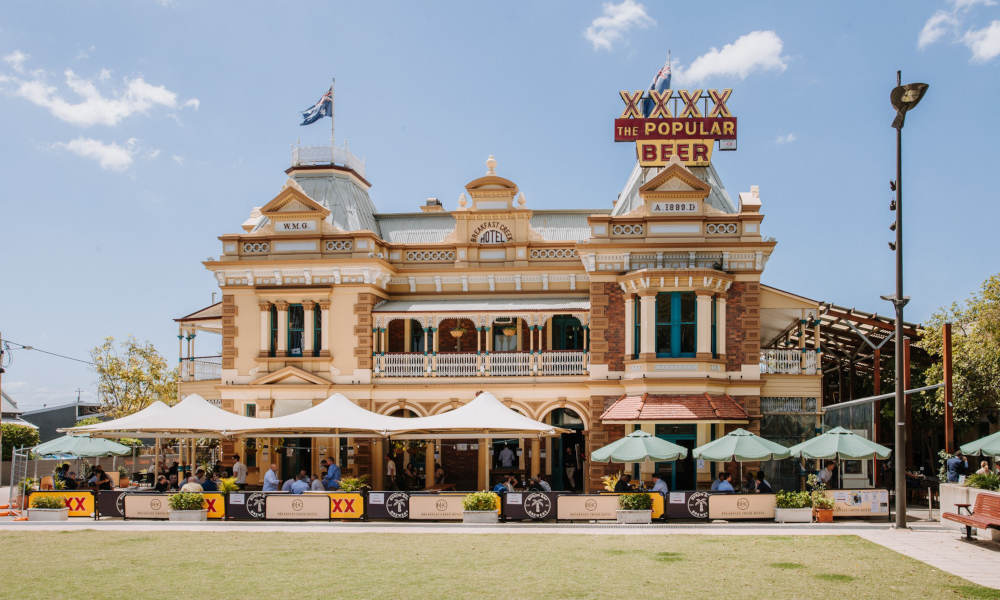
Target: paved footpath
[927,542]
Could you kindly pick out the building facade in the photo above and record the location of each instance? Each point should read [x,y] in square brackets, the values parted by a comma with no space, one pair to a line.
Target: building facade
[649,315]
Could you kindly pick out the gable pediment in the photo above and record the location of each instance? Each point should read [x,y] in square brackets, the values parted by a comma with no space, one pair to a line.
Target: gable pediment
[293,201]
[290,375]
[675,178]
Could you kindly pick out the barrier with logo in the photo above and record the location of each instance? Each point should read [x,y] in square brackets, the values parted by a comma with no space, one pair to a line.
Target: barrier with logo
[687,505]
[142,505]
[587,507]
[537,506]
[859,503]
[111,503]
[658,503]
[345,505]
[388,505]
[446,506]
[245,506]
[79,502]
[741,506]
[297,507]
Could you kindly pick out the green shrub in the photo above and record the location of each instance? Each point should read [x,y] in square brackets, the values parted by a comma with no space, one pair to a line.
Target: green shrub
[228,484]
[38,501]
[186,501]
[480,501]
[635,502]
[15,436]
[786,499]
[989,481]
[821,500]
[353,484]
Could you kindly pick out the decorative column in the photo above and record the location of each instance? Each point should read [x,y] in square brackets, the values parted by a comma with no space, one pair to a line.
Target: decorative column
[265,328]
[720,326]
[704,327]
[429,464]
[407,334]
[647,306]
[483,472]
[308,306]
[802,344]
[536,450]
[282,328]
[324,328]
[629,328]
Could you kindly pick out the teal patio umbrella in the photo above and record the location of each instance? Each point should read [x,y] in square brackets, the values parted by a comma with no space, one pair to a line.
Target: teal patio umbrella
[988,446]
[742,446]
[638,446]
[78,446]
[839,444]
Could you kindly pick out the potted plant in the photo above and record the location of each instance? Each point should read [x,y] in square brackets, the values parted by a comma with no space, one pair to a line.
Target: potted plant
[122,476]
[635,509]
[480,507]
[24,487]
[48,508]
[987,481]
[821,503]
[793,507]
[228,484]
[354,484]
[187,506]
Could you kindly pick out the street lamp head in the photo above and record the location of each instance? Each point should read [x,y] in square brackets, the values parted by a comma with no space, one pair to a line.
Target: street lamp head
[905,98]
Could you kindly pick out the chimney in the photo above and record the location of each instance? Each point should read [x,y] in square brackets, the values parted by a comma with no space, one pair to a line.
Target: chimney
[432,205]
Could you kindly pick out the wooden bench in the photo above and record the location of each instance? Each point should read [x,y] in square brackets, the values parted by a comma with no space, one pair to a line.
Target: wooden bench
[986,514]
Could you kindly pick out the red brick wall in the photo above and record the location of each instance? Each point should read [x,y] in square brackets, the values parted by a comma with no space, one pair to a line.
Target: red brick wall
[615,334]
[397,341]
[450,344]
[600,435]
[742,324]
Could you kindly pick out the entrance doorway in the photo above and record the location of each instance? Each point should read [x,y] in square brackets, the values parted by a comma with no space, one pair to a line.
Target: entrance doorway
[568,452]
[296,455]
[679,474]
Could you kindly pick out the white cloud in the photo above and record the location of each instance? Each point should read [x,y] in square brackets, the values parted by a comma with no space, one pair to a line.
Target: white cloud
[614,22]
[93,106]
[16,60]
[967,4]
[984,43]
[178,159]
[936,27]
[788,138]
[110,157]
[755,51]
[85,54]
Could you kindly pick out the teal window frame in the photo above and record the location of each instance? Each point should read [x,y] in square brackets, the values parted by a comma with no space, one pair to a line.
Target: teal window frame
[672,328]
[292,330]
[317,330]
[715,352]
[637,326]
[273,344]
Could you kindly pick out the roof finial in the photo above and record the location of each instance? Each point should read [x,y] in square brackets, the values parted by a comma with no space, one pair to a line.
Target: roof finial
[491,165]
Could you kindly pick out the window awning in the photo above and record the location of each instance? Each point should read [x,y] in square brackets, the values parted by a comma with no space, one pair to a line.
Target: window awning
[493,305]
[696,407]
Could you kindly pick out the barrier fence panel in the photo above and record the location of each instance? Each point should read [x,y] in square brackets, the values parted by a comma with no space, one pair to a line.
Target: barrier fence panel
[297,507]
[111,503]
[155,505]
[388,505]
[245,506]
[537,506]
[79,502]
[741,506]
[687,505]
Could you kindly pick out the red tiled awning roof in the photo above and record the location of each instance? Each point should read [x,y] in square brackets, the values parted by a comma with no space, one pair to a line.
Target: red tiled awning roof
[698,407]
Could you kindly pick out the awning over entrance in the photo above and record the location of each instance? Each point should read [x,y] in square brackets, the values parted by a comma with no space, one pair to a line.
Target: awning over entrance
[698,407]
[499,305]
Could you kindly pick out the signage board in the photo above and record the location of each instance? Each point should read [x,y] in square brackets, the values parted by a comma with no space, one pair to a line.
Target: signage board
[146,506]
[388,505]
[859,503]
[436,507]
[111,503]
[79,502]
[741,506]
[245,506]
[537,506]
[345,505]
[283,226]
[687,505]
[587,507]
[295,507]
[676,123]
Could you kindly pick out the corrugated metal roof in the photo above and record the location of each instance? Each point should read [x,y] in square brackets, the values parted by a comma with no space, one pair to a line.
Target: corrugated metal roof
[492,304]
[561,227]
[415,228]
[629,199]
[8,406]
[350,207]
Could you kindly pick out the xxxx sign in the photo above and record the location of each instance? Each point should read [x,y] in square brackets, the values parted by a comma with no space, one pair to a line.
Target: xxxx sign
[681,123]
[80,504]
[346,506]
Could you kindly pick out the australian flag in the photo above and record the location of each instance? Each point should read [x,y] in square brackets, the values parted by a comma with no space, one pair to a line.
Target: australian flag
[660,83]
[323,108]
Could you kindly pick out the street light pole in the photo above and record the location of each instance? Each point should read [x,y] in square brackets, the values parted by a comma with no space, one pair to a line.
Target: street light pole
[903,99]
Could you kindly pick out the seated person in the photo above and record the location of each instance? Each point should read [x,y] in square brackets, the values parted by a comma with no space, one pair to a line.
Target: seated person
[301,484]
[69,483]
[726,485]
[409,477]
[162,484]
[192,485]
[316,485]
[763,486]
[543,484]
[173,481]
[287,486]
[624,483]
[211,483]
[501,486]
[718,480]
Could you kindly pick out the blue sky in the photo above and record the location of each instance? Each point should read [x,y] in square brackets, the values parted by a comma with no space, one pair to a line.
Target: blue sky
[136,132]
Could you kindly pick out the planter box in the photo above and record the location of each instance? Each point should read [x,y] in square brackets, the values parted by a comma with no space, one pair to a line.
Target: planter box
[189,515]
[48,514]
[823,515]
[952,493]
[635,517]
[793,515]
[479,516]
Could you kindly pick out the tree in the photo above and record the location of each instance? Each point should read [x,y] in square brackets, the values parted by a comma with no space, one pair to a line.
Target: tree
[132,378]
[975,355]
[15,436]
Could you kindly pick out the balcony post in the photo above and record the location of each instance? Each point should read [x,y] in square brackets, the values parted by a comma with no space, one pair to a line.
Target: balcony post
[802,344]
[703,305]
[309,331]
[629,327]
[407,333]
[282,328]
[265,328]
[720,326]
[324,328]
[647,306]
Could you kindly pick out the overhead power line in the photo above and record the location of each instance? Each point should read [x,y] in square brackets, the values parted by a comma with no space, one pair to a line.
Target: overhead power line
[56,354]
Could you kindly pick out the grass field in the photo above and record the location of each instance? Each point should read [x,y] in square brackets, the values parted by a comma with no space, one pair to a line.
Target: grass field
[244,565]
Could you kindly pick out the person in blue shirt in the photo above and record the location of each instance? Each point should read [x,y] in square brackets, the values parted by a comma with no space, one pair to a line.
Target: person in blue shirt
[210,484]
[957,465]
[271,480]
[718,480]
[500,487]
[726,485]
[332,478]
[301,484]
[659,485]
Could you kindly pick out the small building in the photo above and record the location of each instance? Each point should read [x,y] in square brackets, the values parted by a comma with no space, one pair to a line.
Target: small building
[11,413]
[50,418]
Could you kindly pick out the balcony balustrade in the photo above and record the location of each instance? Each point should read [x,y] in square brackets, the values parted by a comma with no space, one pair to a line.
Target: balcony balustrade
[487,364]
[787,361]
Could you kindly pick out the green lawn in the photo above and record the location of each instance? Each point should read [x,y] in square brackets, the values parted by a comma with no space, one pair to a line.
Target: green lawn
[245,565]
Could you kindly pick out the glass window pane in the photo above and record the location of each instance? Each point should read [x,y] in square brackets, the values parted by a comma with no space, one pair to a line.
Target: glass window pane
[296,317]
[663,308]
[688,307]
[688,338]
[663,339]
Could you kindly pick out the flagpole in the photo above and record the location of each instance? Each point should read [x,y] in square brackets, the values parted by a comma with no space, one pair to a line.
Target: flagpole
[332,121]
